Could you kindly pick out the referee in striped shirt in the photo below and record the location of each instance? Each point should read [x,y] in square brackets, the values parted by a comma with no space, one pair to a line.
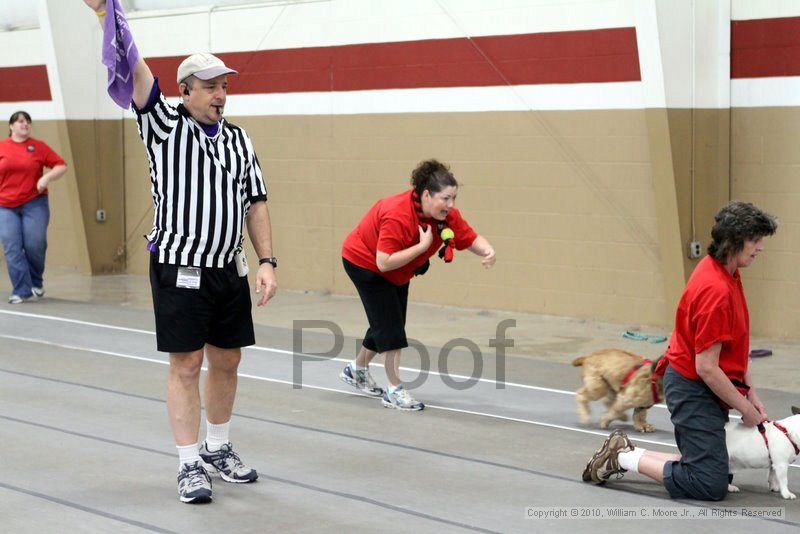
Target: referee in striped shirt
[206,184]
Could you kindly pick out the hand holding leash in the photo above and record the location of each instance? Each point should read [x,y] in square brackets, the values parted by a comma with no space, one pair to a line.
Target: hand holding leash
[752,417]
[756,402]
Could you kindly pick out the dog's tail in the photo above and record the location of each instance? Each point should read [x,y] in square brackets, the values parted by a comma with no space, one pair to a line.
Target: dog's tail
[577,362]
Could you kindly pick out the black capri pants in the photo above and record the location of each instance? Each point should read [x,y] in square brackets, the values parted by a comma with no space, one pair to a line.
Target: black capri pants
[385,305]
[699,420]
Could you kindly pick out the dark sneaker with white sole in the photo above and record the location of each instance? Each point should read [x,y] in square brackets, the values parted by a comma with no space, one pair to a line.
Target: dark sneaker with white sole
[194,484]
[227,464]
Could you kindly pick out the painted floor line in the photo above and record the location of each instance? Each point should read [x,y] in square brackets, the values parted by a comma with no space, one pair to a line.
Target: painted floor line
[292,353]
[323,388]
[334,390]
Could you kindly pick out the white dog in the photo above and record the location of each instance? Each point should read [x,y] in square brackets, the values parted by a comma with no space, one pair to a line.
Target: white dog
[747,450]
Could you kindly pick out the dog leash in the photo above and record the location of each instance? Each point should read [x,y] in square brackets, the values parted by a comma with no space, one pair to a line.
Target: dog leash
[782,429]
[638,336]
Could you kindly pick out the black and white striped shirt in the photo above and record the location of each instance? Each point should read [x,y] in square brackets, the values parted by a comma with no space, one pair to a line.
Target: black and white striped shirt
[202,186]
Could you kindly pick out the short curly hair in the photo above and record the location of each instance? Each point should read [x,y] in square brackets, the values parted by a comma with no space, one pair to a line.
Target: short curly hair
[736,223]
[433,176]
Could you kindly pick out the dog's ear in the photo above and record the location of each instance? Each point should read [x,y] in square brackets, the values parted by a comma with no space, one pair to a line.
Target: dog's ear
[795,410]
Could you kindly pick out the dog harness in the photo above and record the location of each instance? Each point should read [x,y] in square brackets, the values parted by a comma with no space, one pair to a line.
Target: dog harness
[782,429]
[653,377]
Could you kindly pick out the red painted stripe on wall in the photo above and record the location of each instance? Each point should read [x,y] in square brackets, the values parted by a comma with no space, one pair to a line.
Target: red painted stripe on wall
[22,84]
[589,56]
[765,47]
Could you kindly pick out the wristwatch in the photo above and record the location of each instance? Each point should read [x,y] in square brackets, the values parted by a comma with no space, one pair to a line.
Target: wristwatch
[272,261]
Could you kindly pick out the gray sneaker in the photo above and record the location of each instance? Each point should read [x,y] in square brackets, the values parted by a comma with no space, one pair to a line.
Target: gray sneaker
[361,380]
[194,484]
[227,464]
[605,464]
[38,291]
[402,400]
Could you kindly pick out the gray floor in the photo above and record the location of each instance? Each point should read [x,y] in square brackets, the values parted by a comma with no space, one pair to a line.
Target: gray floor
[83,412]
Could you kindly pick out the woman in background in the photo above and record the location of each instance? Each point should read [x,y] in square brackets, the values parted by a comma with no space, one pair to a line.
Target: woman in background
[24,209]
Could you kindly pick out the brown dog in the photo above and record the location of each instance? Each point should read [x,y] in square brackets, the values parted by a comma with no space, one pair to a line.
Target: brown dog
[625,380]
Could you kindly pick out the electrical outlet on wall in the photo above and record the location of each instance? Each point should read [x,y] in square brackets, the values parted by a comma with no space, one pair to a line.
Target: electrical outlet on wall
[100,215]
[695,249]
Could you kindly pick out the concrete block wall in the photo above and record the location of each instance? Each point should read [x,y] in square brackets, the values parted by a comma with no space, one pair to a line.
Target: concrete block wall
[588,174]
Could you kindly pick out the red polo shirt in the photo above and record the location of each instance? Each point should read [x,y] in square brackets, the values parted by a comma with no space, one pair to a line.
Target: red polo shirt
[712,310]
[21,166]
[391,225]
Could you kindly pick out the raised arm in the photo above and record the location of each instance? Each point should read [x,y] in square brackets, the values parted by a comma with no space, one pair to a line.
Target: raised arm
[142,76]
[142,83]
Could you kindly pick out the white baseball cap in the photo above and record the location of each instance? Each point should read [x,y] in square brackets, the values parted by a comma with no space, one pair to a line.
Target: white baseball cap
[202,66]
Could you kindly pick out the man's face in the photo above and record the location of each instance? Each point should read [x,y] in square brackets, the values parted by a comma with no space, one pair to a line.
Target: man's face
[206,99]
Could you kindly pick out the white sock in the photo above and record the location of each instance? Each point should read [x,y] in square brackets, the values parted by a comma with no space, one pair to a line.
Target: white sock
[629,461]
[188,454]
[392,388]
[217,435]
[357,367]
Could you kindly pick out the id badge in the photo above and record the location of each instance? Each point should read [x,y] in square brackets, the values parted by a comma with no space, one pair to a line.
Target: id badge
[188,278]
[241,264]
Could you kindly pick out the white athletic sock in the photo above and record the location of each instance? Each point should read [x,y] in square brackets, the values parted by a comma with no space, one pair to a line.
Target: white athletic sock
[630,460]
[392,388]
[217,435]
[187,454]
[357,367]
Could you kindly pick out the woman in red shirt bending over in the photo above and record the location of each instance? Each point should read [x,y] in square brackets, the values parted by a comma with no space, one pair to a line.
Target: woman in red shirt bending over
[707,375]
[24,210]
[391,244]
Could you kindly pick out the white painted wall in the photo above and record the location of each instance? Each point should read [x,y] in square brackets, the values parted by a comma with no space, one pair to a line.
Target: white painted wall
[763,9]
[326,23]
[664,33]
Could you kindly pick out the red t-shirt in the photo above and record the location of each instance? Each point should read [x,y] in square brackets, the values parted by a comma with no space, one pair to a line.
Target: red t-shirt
[391,225]
[712,309]
[21,166]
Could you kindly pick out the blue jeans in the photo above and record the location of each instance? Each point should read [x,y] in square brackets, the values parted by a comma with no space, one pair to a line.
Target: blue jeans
[23,231]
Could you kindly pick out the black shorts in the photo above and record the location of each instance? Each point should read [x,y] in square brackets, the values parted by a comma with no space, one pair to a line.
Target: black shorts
[385,305]
[217,313]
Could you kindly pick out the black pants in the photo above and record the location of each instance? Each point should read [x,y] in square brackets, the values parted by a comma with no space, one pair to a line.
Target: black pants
[385,305]
[699,420]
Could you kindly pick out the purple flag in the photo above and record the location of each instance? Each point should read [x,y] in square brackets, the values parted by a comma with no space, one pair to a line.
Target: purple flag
[119,54]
